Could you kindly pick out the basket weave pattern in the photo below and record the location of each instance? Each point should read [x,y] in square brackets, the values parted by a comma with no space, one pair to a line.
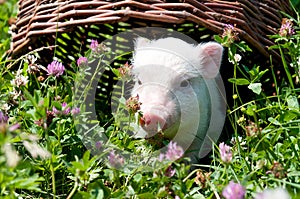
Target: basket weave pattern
[254,19]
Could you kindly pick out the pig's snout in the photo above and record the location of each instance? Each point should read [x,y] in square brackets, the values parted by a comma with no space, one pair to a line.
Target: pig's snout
[158,107]
[152,122]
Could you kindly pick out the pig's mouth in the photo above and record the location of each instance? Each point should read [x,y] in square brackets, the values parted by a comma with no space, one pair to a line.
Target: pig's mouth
[153,123]
[156,121]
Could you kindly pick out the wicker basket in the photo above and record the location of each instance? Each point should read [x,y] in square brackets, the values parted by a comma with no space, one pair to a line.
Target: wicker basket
[39,22]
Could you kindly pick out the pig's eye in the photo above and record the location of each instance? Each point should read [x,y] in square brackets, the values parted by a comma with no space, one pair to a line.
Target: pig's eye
[184,83]
[139,81]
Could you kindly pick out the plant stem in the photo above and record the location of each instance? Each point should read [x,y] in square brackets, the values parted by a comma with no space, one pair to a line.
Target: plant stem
[214,189]
[73,190]
[53,180]
[285,66]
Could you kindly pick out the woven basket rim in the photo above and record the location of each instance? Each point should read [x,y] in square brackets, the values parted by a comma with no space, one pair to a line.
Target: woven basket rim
[253,20]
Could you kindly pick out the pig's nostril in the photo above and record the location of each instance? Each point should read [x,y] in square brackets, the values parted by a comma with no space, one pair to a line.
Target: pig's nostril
[152,122]
[145,120]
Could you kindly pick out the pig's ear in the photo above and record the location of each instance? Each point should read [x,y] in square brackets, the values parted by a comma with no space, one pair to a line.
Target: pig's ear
[141,42]
[210,57]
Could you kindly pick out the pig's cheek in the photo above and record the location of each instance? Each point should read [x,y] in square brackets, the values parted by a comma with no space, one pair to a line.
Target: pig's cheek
[188,105]
[184,100]
[174,112]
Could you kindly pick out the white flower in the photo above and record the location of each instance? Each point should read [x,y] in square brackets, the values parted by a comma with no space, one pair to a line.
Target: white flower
[32,66]
[20,80]
[12,157]
[236,59]
[278,193]
[31,59]
[240,140]
[15,94]
[36,150]
[5,107]
[296,64]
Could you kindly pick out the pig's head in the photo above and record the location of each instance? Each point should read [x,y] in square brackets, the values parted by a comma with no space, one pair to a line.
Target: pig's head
[172,84]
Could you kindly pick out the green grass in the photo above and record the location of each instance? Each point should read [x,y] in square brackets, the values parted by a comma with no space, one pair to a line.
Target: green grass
[8,11]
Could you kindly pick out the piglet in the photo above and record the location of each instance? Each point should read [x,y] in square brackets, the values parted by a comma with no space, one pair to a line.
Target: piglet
[181,92]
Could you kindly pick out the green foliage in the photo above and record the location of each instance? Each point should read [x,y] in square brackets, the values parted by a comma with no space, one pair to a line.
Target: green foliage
[296,3]
[8,10]
[267,128]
